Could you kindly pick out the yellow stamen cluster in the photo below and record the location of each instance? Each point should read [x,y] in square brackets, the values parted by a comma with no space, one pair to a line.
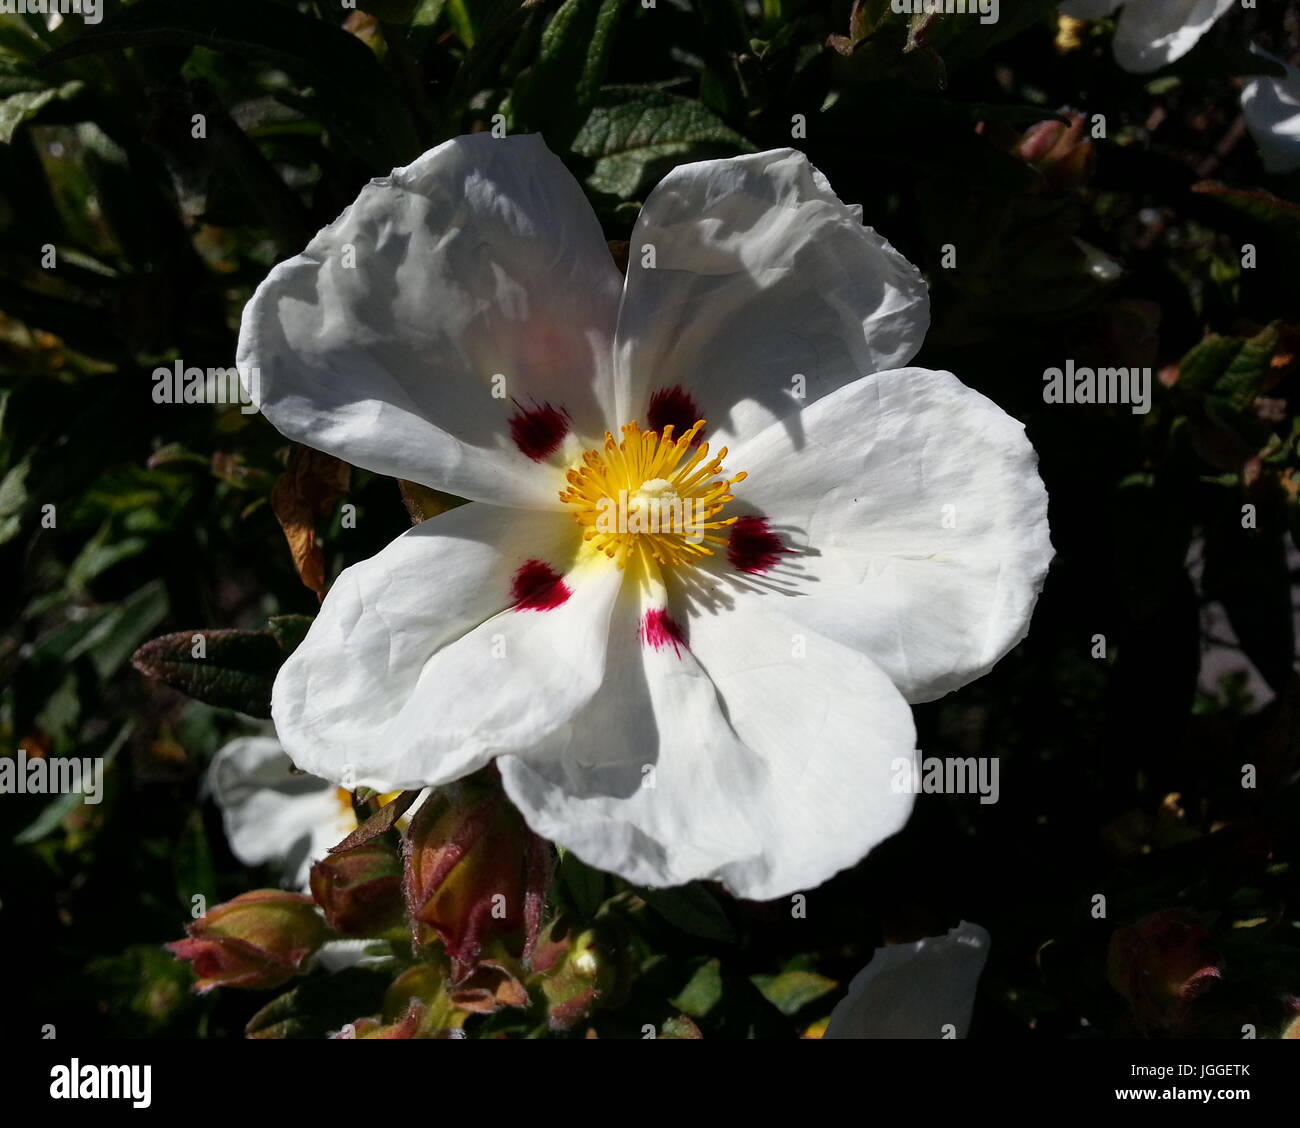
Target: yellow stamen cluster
[673,497]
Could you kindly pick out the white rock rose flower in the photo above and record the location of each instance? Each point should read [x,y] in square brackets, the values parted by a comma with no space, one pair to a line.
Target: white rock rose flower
[1152,34]
[920,990]
[272,815]
[719,536]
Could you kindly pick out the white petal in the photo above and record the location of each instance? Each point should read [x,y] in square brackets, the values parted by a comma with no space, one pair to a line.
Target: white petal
[863,505]
[420,668]
[745,759]
[272,814]
[1271,107]
[763,281]
[1089,9]
[1153,33]
[339,955]
[915,990]
[482,258]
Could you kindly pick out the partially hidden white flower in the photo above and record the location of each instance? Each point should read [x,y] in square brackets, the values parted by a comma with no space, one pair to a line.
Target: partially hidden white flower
[1271,107]
[273,816]
[1152,34]
[725,701]
[920,990]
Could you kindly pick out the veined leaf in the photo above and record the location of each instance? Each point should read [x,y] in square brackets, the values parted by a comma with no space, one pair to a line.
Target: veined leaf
[556,93]
[232,669]
[634,132]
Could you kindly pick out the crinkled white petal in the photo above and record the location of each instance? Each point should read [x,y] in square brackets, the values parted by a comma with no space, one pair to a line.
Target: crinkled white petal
[921,990]
[917,525]
[463,289]
[763,285]
[1271,107]
[419,669]
[755,758]
[272,814]
[1154,33]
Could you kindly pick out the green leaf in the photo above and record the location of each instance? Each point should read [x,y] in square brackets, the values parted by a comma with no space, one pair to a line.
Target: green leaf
[236,668]
[353,94]
[692,908]
[555,94]
[289,630]
[1246,374]
[1206,363]
[25,105]
[791,991]
[24,93]
[195,870]
[636,132]
[703,992]
[98,555]
[428,13]
[1281,218]
[13,499]
[475,19]
[126,625]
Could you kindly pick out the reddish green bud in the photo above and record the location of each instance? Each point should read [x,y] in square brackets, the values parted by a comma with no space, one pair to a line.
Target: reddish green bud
[416,1005]
[360,890]
[474,873]
[1058,150]
[579,971]
[407,1026]
[259,940]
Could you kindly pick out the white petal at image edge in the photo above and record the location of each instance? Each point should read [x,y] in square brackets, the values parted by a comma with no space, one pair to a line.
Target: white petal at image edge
[921,990]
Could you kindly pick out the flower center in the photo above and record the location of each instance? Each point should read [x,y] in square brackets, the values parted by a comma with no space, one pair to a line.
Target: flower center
[647,496]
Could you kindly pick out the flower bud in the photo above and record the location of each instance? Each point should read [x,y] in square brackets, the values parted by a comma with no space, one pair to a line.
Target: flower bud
[406,1027]
[1161,965]
[360,890]
[416,1005]
[474,873]
[579,971]
[259,940]
[1058,150]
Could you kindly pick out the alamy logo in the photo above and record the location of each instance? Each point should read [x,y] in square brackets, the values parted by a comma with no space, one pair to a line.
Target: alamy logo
[102,1082]
[987,10]
[92,11]
[950,775]
[57,775]
[179,384]
[1098,385]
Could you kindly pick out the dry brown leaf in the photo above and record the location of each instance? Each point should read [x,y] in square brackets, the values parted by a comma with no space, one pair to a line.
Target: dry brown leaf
[311,485]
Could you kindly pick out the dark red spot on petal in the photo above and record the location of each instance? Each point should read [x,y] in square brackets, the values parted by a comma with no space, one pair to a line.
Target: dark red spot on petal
[538,431]
[538,587]
[752,546]
[659,630]
[673,405]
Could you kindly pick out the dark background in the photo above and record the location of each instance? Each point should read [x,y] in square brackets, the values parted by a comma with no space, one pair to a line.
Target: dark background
[1121,776]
